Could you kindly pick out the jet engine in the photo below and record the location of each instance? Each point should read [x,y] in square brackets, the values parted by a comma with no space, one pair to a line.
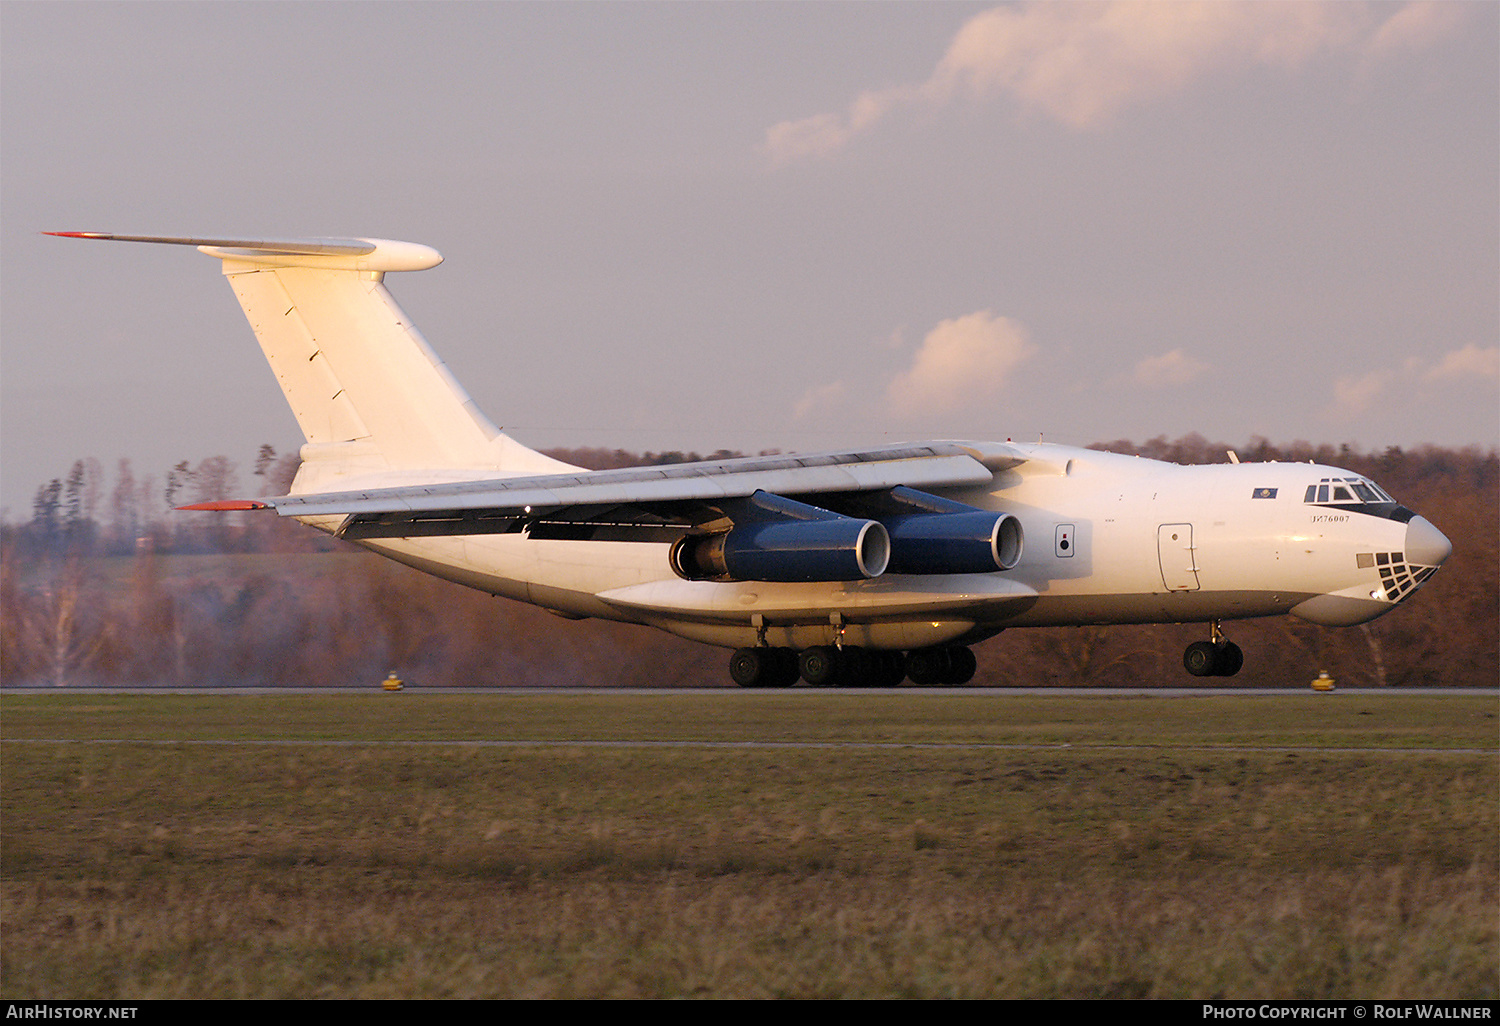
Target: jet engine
[973,542]
[833,549]
[934,535]
[779,539]
[905,531]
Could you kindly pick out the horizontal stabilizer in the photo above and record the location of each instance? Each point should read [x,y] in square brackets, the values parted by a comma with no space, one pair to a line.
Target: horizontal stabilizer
[226,505]
[333,254]
[341,247]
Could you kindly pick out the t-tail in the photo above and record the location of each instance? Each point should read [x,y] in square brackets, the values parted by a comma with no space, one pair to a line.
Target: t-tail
[374,401]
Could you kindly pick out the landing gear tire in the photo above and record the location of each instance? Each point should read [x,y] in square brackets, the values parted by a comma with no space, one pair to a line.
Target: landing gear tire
[751,667]
[819,665]
[763,667]
[1199,659]
[935,667]
[854,667]
[1206,659]
[790,673]
[870,668]
[961,666]
[889,669]
[1229,661]
[927,666]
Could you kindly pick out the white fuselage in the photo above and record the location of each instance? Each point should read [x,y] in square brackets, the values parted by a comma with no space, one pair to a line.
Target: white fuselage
[1108,539]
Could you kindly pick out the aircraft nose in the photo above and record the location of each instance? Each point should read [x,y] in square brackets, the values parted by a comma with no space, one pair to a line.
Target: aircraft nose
[1425,544]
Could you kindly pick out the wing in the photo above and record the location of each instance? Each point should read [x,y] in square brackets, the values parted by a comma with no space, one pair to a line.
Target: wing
[674,491]
[820,516]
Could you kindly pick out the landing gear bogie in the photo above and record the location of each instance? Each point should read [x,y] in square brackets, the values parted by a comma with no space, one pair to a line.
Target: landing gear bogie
[851,666]
[1216,657]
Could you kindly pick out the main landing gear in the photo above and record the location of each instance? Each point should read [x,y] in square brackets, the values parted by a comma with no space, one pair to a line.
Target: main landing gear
[1219,657]
[851,666]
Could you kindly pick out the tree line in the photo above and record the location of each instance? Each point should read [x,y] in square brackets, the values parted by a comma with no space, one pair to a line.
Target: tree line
[105,583]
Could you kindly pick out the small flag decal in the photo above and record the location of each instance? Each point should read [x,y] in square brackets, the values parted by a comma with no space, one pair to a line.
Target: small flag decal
[1263,493]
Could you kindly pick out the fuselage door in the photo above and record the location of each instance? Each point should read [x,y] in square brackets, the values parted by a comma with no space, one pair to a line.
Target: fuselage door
[1179,559]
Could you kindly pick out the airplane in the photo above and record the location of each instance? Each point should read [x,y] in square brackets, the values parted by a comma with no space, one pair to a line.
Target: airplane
[868,566]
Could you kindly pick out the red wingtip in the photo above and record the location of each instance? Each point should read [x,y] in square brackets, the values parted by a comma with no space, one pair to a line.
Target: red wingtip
[79,235]
[226,505]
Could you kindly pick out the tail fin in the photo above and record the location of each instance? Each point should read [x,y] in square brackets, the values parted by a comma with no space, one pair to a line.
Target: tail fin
[366,388]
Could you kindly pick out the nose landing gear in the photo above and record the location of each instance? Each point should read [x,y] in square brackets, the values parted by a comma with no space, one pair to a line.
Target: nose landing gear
[1219,657]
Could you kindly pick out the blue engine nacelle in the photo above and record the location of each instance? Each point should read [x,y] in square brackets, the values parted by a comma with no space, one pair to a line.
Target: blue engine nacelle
[974,542]
[779,539]
[831,549]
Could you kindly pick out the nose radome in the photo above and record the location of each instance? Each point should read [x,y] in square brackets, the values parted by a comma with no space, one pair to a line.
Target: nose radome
[1425,544]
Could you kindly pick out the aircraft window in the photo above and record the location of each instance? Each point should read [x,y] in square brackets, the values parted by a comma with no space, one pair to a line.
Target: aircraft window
[1345,489]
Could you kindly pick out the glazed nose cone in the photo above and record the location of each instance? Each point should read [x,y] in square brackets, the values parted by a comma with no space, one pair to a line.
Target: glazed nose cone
[1425,544]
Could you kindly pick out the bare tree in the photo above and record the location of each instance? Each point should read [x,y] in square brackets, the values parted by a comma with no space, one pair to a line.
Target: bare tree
[61,627]
[125,506]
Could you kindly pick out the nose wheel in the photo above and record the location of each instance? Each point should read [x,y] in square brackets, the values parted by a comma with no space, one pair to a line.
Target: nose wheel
[1219,657]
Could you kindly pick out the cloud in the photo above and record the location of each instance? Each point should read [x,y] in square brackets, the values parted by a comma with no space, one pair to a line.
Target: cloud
[961,362]
[1356,393]
[1174,368]
[1466,364]
[824,134]
[1415,26]
[819,399]
[1082,63]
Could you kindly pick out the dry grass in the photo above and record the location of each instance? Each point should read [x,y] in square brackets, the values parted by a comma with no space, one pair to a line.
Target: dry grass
[136,870]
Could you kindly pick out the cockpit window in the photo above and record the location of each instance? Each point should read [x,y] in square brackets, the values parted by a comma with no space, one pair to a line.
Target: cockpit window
[1345,489]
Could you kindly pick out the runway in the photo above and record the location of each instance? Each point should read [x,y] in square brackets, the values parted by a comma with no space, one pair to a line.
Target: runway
[1063,692]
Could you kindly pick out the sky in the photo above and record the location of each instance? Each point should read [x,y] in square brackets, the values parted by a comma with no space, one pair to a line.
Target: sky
[756,226]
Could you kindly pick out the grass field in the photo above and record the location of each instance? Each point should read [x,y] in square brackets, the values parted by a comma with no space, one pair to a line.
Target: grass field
[789,844]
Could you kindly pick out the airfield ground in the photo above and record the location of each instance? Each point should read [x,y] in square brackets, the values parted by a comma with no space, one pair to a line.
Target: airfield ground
[748,844]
